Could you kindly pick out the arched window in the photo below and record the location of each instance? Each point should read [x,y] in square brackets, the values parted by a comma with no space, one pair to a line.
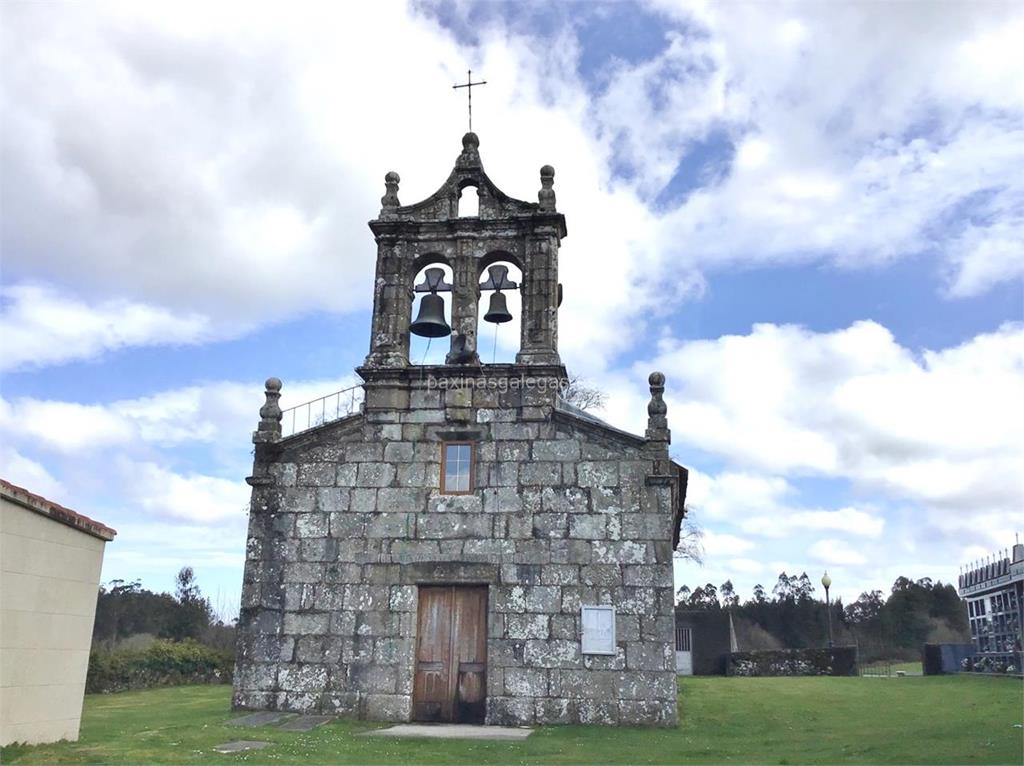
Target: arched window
[430,350]
[469,203]
[499,342]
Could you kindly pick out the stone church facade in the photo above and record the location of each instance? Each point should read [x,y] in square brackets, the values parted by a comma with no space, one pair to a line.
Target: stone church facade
[467,546]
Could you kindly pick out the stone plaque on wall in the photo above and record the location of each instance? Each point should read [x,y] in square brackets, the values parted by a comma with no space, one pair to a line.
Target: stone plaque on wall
[598,629]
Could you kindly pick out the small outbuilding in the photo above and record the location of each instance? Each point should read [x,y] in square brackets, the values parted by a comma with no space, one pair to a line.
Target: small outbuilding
[50,562]
[704,639]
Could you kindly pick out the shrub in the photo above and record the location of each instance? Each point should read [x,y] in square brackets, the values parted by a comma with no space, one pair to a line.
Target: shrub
[838,661]
[162,663]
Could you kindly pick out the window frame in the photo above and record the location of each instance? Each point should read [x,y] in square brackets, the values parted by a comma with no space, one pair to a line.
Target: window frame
[585,649]
[684,638]
[444,467]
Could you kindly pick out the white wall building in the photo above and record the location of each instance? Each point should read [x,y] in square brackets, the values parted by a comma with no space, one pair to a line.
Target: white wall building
[50,561]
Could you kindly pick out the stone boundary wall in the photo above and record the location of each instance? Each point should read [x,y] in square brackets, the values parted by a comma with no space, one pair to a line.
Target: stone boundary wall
[838,661]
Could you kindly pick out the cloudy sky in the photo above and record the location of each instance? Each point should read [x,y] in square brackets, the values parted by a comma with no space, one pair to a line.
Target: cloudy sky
[809,216]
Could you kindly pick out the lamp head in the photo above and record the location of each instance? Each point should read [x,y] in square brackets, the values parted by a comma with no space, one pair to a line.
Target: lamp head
[826,580]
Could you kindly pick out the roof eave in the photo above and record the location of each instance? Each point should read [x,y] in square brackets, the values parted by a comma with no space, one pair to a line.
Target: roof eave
[39,504]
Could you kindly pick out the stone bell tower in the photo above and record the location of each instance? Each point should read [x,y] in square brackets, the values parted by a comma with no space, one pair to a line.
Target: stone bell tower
[431,232]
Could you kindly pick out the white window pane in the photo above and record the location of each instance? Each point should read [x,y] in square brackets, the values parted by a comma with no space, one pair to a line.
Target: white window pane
[458,464]
[598,630]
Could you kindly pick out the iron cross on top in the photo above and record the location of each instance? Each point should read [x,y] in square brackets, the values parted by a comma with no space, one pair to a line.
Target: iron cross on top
[468,85]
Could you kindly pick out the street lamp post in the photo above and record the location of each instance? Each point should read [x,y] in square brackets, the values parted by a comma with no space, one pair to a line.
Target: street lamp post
[827,581]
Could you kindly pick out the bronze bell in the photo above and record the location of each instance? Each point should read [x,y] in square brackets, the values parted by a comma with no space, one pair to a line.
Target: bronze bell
[497,313]
[431,323]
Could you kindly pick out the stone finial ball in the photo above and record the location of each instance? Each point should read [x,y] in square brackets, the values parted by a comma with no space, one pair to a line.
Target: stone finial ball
[392,177]
[470,140]
[547,172]
[273,384]
[656,379]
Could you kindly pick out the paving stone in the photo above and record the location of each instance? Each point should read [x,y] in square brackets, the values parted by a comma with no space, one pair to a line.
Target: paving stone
[265,718]
[306,722]
[240,746]
[450,731]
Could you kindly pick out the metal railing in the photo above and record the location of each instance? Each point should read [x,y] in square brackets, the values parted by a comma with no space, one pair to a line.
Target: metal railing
[326,409]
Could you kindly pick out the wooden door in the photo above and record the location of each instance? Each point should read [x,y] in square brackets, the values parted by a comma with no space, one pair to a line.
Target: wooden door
[469,654]
[451,654]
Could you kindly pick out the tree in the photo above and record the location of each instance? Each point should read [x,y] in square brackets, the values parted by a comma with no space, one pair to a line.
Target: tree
[947,606]
[683,595]
[882,627]
[186,588]
[905,616]
[867,608]
[705,597]
[728,594]
[582,396]
[126,609]
[902,585]
[803,590]
[194,613]
[783,590]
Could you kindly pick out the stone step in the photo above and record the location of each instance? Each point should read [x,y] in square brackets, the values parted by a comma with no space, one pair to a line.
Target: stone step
[451,731]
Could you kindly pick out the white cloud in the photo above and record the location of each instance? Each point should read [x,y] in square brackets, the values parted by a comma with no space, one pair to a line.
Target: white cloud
[792,32]
[763,505]
[941,428]
[785,522]
[746,566]
[28,474]
[164,547]
[732,494]
[869,161]
[719,544]
[217,413]
[63,426]
[752,153]
[836,552]
[192,497]
[41,325]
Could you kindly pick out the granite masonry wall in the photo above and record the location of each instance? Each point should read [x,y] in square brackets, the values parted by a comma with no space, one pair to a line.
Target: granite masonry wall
[347,520]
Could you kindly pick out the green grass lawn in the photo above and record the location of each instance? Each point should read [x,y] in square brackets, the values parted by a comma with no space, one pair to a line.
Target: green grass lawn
[943,719]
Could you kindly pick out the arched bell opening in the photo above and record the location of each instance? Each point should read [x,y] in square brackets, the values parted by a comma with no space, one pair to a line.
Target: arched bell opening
[431,323]
[469,202]
[499,313]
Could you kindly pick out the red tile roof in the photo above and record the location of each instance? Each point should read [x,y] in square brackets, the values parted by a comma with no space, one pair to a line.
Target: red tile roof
[55,511]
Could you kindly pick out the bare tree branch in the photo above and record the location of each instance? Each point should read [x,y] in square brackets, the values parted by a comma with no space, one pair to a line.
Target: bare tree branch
[582,396]
[691,542]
